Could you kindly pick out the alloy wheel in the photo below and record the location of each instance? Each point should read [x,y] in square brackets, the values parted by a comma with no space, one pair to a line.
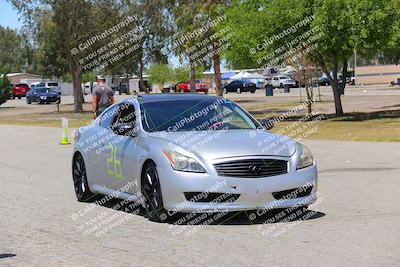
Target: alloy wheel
[79,176]
[151,187]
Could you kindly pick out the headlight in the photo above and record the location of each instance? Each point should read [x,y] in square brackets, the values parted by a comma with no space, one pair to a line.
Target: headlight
[306,158]
[183,163]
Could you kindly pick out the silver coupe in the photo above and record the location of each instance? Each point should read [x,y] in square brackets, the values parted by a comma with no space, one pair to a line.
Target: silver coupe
[190,153]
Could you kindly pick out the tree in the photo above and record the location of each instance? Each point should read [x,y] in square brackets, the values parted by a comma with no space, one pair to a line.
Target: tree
[194,19]
[344,26]
[305,75]
[184,40]
[181,74]
[155,25]
[69,20]
[160,74]
[11,50]
[4,88]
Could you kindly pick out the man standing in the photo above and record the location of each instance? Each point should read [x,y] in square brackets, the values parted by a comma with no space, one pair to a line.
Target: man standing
[102,97]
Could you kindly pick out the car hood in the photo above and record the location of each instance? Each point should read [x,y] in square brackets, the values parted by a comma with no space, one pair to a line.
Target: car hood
[231,143]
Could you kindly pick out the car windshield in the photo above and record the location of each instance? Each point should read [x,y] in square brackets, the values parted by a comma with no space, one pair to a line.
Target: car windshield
[195,115]
[43,90]
[52,84]
[285,77]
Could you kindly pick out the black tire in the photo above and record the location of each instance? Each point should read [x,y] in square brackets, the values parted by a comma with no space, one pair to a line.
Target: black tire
[281,85]
[28,101]
[40,102]
[239,90]
[79,177]
[151,190]
[253,91]
[58,101]
[19,97]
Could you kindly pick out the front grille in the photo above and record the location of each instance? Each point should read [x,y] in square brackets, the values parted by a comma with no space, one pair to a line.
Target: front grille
[293,193]
[252,168]
[211,197]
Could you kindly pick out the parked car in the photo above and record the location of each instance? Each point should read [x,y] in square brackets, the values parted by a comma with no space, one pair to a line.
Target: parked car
[34,84]
[351,80]
[43,95]
[53,85]
[184,87]
[87,88]
[240,86]
[397,82]
[19,90]
[282,80]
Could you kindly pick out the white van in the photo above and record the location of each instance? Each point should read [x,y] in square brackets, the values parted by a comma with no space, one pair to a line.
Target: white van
[50,84]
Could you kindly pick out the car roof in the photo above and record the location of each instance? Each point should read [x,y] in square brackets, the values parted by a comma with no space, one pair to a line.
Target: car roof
[174,97]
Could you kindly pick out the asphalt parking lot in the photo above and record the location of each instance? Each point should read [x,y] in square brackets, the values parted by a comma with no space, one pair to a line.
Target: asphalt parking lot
[356,98]
[356,221]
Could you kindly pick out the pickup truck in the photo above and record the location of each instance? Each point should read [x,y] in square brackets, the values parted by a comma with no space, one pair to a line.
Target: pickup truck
[184,87]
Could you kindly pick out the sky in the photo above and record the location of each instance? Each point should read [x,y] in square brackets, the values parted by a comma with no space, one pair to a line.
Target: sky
[9,16]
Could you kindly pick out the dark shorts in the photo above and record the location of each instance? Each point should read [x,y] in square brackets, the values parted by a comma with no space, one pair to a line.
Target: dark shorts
[101,109]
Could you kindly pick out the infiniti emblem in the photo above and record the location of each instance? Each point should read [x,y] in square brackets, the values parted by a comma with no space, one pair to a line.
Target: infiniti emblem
[255,169]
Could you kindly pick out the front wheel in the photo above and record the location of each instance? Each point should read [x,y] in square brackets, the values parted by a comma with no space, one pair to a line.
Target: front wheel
[28,101]
[81,186]
[239,90]
[151,190]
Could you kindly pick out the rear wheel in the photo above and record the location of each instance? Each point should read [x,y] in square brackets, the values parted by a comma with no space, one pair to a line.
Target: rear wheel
[81,186]
[19,97]
[151,190]
[253,91]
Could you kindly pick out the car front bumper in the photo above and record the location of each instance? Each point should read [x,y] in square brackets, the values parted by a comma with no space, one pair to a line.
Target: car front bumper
[251,193]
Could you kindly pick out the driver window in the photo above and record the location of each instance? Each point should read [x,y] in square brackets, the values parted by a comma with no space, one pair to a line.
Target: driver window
[126,115]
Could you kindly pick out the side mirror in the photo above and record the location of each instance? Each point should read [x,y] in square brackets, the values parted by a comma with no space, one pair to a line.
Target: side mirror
[267,124]
[125,129]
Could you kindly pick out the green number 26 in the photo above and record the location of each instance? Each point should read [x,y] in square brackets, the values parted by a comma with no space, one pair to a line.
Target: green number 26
[114,165]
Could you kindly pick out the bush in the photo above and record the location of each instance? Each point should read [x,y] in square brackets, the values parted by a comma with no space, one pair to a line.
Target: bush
[5,87]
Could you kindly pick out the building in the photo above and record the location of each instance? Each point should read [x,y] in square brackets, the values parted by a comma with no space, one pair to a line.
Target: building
[24,78]
[380,74]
